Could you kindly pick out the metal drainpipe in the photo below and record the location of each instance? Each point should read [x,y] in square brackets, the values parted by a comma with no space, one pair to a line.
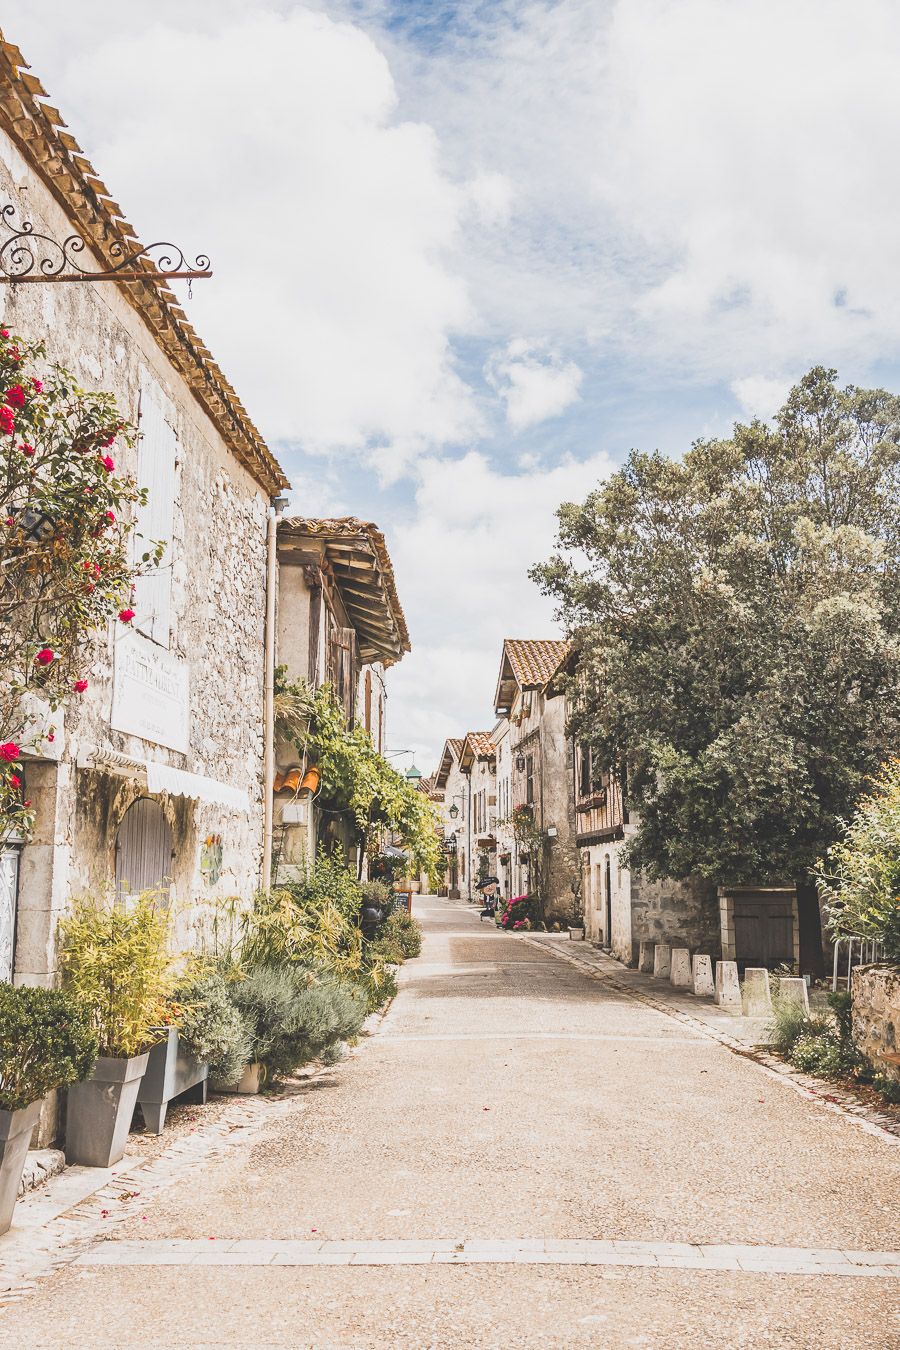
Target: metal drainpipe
[469,832]
[269,698]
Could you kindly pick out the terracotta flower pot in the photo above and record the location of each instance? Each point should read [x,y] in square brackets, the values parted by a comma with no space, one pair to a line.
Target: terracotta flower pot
[15,1136]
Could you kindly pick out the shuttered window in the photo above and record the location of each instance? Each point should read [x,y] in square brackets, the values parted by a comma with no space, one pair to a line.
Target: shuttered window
[156,472]
[143,848]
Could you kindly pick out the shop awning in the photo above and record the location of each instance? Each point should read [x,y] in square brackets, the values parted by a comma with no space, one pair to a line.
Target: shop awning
[163,778]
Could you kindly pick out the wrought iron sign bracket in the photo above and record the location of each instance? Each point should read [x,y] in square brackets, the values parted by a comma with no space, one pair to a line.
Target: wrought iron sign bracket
[28,256]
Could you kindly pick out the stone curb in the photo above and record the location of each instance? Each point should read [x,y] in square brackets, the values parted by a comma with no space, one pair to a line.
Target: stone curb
[813,1089]
[40,1165]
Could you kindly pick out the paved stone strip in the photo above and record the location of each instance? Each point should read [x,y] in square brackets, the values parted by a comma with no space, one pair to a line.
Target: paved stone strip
[608,971]
[515,1251]
[403,1037]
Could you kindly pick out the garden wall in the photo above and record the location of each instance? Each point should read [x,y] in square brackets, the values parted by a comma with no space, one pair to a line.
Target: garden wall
[876,1014]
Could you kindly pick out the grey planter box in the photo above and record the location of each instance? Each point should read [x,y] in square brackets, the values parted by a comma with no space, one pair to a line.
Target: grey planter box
[99,1111]
[15,1136]
[170,1071]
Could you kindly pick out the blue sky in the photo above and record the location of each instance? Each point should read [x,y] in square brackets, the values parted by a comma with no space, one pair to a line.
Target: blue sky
[467,255]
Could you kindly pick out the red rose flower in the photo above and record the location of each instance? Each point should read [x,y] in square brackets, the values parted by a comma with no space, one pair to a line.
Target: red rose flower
[9,752]
[44,656]
[26,448]
[126,615]
[37,386]
[4,332]
[80,686]
[111,517]
[7,421]
[51,737]
[108,463]
[15,780]
[15,396]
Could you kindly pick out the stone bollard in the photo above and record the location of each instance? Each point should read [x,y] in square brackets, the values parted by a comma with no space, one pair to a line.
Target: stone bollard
[757,996]
[794,991]
[680,973]
[645,957]
[662,960]
[728,986]
[704,984]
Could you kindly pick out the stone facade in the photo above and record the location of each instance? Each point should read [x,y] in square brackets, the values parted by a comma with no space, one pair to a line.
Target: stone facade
[876,1015]
[206,625]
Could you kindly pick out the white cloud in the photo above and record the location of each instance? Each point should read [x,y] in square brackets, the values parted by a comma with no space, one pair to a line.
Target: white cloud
[760,395]
[533,383]
[274,142]
[461,566]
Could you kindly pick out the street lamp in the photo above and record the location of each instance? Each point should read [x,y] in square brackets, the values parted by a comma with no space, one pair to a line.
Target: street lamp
[453,812]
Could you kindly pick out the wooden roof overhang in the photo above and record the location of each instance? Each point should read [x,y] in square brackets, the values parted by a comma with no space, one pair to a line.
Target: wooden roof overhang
[359,565]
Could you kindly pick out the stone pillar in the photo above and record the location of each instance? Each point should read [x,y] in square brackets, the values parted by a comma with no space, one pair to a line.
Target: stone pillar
[757,996]
[726,924]
[662,960]
[680,971]
[704,984]
[728,986]
[645,957]
[793,990]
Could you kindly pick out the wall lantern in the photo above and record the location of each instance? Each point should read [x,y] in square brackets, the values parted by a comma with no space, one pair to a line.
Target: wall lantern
[520,763]
[453,812]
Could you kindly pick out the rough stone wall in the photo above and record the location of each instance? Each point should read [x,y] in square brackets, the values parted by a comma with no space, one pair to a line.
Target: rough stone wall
[217,619]
[876,1014]
[685,913]
[558,808]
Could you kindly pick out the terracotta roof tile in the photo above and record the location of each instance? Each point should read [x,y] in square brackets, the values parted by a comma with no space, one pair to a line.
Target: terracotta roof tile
[534,661]
[481,744]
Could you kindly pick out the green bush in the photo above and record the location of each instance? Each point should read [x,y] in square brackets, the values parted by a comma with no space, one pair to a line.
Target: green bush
[789,1022]
[210,1025]
[376,893]
[861,879]
[116,964]
[888,1087]
[399,937]
[294,1015]
[45,1042]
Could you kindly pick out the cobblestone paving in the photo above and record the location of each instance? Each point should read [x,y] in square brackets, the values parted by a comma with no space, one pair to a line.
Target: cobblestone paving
[604,1171]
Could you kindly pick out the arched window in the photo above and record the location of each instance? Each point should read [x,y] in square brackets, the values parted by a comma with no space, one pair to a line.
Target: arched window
[143,848]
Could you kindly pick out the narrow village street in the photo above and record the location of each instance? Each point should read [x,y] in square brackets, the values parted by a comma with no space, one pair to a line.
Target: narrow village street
[508,1112]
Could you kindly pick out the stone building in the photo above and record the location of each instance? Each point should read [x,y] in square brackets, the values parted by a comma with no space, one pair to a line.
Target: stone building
[339,623]
[156,776]
[543,856]
[623,908]
[452,784]
[478,766]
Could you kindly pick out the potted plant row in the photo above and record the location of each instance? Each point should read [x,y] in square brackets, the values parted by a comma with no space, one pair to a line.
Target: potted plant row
[46,1042]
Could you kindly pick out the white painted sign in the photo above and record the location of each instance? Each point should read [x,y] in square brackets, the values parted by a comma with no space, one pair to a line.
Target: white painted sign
[151,693]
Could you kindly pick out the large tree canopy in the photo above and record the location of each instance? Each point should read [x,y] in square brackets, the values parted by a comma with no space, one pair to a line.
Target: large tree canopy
[736,616]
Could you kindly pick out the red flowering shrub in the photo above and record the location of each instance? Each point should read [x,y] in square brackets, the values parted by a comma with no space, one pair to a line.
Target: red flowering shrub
[65,560]
[517,913]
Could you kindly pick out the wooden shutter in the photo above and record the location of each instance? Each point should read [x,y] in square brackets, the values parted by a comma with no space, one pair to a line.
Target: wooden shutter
[156,472]
[143,848]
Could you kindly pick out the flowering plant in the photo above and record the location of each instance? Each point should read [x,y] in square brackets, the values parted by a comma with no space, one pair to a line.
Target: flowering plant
[66,565]
[516,913]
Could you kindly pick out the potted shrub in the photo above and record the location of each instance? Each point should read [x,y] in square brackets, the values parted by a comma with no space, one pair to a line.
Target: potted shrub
[115,962]
[211,1030]
[45,1043]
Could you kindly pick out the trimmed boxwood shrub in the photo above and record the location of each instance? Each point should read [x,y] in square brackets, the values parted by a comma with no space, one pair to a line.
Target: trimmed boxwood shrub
[45,1042]
[210,1026]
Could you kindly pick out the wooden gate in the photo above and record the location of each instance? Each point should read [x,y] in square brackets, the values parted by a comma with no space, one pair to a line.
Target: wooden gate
[764,923]
[143,848]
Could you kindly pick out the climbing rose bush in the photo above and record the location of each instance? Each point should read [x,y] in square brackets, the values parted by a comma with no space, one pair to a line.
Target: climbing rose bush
[66,562]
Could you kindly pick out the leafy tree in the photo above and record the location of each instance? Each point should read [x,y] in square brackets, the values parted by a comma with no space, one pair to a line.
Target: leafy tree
[65,559]
[736,617]
[862,875]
